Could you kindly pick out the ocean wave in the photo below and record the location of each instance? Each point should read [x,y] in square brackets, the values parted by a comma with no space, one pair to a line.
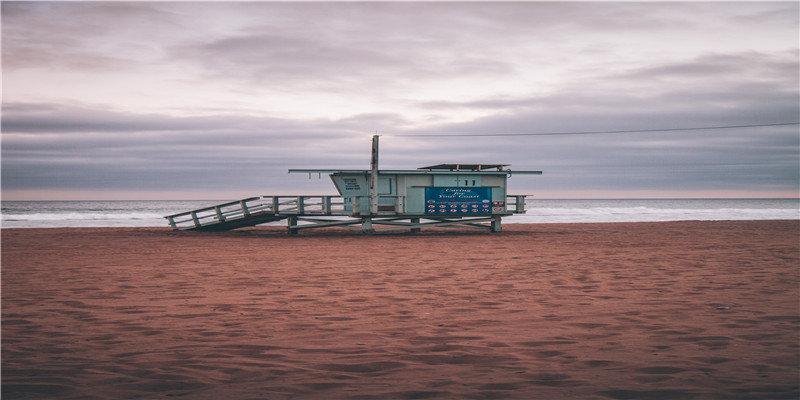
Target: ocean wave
[646,214]
[79,217]
[150,213]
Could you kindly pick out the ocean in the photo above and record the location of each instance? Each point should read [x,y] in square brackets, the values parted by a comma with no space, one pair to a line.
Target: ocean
[54,214]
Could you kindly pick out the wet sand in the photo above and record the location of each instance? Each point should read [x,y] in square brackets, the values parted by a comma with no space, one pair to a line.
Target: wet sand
[674,310]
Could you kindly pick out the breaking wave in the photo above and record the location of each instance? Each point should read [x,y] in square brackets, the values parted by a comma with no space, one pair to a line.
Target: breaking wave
[537,214]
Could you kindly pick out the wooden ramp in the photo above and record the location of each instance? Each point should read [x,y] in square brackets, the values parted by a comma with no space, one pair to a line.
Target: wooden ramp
[259,210]
[224,217]
[245,221]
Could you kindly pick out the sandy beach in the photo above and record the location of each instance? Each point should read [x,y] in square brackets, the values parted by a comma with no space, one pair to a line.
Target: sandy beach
[672,310]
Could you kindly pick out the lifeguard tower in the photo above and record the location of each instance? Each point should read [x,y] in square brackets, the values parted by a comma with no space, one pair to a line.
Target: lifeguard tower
[443,195]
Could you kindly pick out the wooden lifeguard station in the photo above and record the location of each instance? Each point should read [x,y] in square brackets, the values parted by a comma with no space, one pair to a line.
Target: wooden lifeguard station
[443,195]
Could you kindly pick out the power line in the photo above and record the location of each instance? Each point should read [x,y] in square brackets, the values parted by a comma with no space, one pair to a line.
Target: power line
[605,132]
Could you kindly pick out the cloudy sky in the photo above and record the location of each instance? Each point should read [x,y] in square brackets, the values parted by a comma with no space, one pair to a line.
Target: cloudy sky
[201,100]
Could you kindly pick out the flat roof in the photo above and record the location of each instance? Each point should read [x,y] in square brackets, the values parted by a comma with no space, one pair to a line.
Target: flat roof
[465,167]
[411,172]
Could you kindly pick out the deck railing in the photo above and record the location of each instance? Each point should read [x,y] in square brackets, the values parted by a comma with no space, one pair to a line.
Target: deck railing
[392,205]
[515,203]
[306,205]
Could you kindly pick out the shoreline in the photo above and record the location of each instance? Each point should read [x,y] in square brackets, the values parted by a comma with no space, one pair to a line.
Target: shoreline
[506,223]
[633,310]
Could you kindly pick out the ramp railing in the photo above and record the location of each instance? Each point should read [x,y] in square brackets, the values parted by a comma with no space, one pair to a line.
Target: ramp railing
[217,213]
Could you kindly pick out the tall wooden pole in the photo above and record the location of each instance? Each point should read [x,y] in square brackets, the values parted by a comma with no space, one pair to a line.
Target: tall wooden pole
[373,178]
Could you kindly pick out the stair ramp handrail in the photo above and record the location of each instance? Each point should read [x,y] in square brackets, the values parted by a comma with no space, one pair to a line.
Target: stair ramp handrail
[215,214]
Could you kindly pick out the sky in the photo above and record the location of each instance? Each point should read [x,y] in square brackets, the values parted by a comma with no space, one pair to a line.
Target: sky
[205,100]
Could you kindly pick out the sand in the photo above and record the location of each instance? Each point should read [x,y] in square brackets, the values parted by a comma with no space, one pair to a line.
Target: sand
[674,310]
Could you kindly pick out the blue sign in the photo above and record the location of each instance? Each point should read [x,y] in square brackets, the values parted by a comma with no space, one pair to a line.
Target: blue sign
[458,200]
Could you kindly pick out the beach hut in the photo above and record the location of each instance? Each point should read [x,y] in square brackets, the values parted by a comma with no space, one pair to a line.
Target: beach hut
[442,195]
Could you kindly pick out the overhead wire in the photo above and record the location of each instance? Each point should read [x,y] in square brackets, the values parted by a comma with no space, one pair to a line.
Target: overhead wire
[600,132]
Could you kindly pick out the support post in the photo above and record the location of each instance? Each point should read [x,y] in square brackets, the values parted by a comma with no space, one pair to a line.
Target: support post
[415,225]
[366,225]
[496,224]
[276,204]
[292,225]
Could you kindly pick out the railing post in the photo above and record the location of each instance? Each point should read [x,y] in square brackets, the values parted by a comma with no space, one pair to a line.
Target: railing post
[520,204]
[172,223]
[245,211]
[220,217]
[276,204]
[326,205]
[195,219]
[300,204]
[356,205]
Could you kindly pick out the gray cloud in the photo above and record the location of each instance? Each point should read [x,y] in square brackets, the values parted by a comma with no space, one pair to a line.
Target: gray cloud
[122,151]
[525,68]
[78,36]
[366,47]
[86,148]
